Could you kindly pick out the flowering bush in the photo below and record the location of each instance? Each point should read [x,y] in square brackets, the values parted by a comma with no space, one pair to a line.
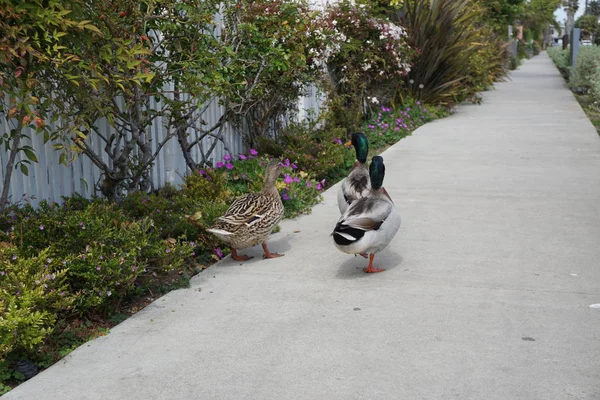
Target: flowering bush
[299,191]
[276,59]
[369,62]
[314,150]
[392,124]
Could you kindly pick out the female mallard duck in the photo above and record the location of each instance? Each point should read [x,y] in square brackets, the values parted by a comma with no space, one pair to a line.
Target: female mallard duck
[251,217]
[369,223]
[357,183]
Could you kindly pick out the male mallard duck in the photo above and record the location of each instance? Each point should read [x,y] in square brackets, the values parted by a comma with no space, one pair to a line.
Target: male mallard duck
[357,183]
[251,218]
[369,223]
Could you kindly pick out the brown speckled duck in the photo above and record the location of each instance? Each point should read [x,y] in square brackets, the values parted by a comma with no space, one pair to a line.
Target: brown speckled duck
[251,218]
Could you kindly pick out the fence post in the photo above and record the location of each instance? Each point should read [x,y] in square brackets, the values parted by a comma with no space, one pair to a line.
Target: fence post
[576,33]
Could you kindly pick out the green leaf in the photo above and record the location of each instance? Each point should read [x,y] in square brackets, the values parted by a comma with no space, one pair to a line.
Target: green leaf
[24,170]
[30,154]
[92,28]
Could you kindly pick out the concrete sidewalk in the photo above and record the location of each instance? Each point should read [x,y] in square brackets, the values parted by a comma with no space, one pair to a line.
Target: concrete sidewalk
[487,294]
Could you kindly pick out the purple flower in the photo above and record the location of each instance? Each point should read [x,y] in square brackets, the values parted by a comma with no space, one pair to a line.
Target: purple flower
[227,157]
[319,187]
[2,273]
[285,196]
[229,166]
[288,179]
[253,152]
[294,166]
[219,252]
[14,258]
[407,108]
[244,176]
[308,184]
[418,103]
[371,127]
[108,293]
[296,179]
[98,268]
[167,250]
[242,157]
[202,172]
[133,268]
[337,140]
[220,164]
[41,227]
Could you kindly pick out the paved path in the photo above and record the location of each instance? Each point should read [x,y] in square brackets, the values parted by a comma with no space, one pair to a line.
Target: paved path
[487,294]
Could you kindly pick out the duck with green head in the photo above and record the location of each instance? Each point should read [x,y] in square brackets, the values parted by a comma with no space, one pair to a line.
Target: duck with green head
[369,223]
[357,184]
[251,218]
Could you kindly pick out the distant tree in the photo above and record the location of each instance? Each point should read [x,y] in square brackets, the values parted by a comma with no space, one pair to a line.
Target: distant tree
[593,8]
[588,25]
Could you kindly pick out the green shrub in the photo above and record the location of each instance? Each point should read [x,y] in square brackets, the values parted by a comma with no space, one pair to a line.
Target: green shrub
[104,251]
[561,59]
[314,150]
[33,291]
[370,60]
[488,64]
[523,50]
[595,86]
[168,208]
[444,33]
[586,65]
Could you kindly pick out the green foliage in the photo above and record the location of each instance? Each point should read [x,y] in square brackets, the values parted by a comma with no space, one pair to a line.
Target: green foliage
[593,8]
[561,59]
[594,93]
[314,150]
[442,30]
[537,15]
[588,61]
[588,24]
[488,64]
[372,58]
[103,250]
[32,292]
[501,13]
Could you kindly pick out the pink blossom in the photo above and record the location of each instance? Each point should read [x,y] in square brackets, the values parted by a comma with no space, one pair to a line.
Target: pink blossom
[220,164]
[226,157]
[219,252]
[229,166]
[287,179]
[242,157]
[253,152]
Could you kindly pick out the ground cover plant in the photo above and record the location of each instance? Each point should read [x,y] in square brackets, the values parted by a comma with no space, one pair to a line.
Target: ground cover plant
[583,78]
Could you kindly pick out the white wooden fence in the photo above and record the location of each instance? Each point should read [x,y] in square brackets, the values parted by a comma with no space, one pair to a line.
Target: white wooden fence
[50,180]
